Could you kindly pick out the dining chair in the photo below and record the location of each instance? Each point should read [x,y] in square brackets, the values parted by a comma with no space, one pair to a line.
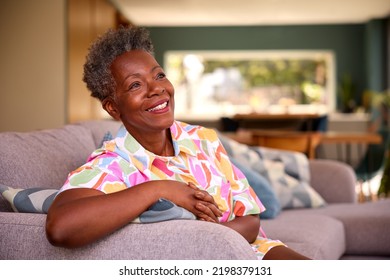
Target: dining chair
[304,142]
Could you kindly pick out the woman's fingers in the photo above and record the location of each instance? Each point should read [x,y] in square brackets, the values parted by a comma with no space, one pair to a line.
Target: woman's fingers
[208,210]
[205,196]
[200,194]
[214,209]
[205,218]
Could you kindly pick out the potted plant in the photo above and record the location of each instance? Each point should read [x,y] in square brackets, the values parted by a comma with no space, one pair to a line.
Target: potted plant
[346,90]
[381,101]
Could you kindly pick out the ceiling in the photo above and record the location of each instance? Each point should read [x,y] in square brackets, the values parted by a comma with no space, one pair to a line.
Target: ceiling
[250,12]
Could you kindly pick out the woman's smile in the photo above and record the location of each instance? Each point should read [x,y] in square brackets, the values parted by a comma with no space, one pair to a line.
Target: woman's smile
[160,108]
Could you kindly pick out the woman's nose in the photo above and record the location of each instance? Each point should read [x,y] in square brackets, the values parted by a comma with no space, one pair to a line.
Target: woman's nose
[156,88]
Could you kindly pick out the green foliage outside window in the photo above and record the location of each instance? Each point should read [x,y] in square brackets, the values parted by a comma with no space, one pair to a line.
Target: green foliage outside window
[305,76]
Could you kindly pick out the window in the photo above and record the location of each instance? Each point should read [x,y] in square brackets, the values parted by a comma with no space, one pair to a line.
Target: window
[211,84]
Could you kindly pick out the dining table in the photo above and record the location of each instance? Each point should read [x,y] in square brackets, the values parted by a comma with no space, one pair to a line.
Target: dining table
[277,120]
[348,138]
[307,141]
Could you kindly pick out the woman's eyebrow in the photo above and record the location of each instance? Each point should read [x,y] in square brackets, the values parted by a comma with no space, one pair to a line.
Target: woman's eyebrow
[138,74]
[129,76]
[155,67]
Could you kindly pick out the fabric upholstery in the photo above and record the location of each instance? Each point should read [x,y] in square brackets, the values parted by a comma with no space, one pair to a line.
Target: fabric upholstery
[22,236]
[367,226]
[46,157]
[334,181]
[99,128]
[43,158]
[318,237]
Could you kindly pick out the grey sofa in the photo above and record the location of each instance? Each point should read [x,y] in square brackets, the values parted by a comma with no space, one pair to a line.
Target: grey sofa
[343,229]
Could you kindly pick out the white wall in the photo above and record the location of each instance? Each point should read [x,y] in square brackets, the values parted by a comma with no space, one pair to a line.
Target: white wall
[32,64]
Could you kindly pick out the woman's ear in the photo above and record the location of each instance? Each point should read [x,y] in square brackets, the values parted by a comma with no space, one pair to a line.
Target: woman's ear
[109,105]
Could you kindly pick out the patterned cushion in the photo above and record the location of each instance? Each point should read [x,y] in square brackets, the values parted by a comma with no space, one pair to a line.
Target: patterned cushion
[263,190]
[34,200]
[38,200]
[164,210]
[287,172]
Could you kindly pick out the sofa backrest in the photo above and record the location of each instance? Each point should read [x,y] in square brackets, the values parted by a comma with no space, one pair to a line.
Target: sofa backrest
[44,158]
[100,127]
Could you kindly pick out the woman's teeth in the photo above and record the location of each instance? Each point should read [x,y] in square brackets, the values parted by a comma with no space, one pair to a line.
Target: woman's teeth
[159,107]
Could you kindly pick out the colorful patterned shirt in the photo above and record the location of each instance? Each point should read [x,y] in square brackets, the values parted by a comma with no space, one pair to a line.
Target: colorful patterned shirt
[199,158]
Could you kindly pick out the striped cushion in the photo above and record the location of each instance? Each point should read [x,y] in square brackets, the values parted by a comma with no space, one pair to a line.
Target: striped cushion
[38,200]
[34,200]
[164,210]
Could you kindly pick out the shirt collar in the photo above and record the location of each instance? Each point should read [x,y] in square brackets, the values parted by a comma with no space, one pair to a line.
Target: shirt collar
[129,148]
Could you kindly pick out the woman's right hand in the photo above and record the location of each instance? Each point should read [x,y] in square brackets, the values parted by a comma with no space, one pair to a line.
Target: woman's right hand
[197,201]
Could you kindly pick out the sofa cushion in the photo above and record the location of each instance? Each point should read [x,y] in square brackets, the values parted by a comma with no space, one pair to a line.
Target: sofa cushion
[317,236]
[262,189]
[367,226]
[288,172]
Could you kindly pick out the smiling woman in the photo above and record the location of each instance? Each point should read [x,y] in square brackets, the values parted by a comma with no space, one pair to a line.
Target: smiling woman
[152,158]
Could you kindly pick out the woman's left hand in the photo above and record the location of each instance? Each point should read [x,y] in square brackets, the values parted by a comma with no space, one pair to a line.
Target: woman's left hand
[208,208]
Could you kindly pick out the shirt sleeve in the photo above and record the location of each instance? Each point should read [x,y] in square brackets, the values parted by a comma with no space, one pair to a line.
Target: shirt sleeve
[102,172]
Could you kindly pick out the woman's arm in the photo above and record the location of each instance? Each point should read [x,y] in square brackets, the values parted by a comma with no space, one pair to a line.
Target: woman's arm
[81,216]
[247,226]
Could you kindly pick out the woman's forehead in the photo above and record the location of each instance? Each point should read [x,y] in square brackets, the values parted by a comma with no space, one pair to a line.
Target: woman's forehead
[134,58]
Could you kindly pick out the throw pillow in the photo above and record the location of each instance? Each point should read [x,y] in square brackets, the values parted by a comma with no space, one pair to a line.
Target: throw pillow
[262,189]
[287,172]
[164,210]
[34,200]
[38,200]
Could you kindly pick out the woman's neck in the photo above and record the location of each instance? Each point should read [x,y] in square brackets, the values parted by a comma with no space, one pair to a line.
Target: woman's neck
[159,143]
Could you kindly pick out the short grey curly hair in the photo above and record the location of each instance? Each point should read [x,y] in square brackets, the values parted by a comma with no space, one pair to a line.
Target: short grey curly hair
[113,43]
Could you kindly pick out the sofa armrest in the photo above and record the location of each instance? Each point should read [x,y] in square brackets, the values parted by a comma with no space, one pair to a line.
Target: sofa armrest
[335,181]
[22,236]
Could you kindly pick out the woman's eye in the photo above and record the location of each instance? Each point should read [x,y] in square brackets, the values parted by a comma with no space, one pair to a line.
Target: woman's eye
[134,86]
[161,75]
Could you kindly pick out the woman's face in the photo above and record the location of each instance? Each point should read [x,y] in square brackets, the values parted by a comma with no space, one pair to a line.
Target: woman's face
[144,97]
